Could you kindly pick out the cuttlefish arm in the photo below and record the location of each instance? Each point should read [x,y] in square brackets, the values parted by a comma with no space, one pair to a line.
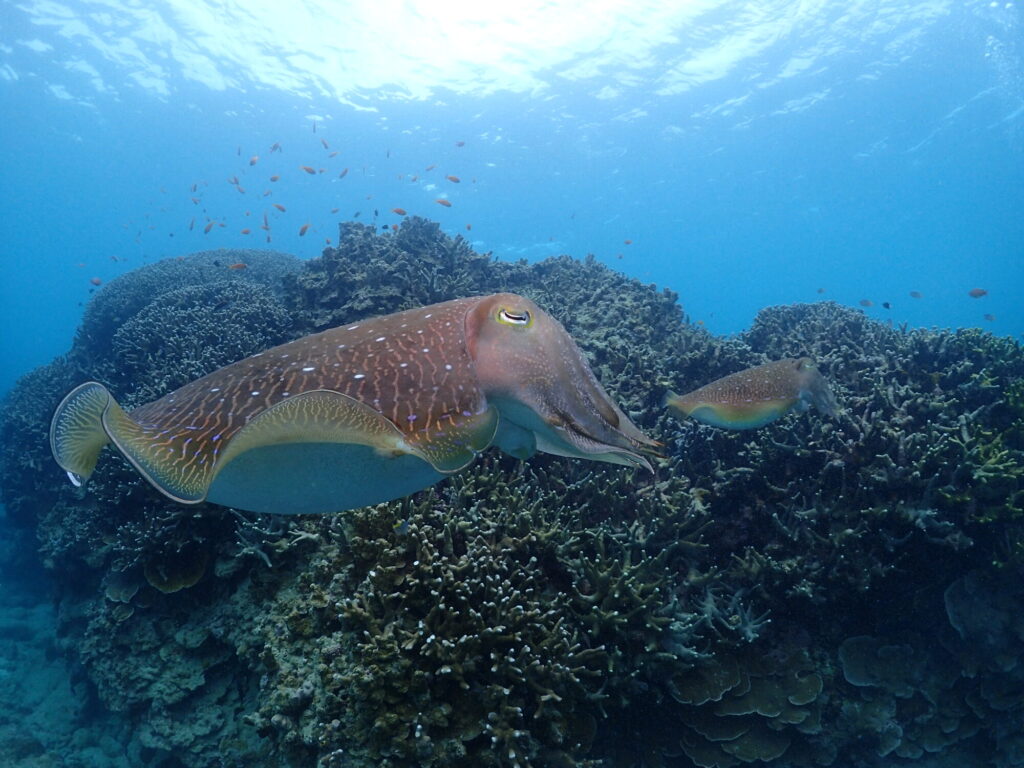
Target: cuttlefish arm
[757,396]
[547,396]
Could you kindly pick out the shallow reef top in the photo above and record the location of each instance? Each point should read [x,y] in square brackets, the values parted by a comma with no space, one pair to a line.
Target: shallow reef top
[821,591]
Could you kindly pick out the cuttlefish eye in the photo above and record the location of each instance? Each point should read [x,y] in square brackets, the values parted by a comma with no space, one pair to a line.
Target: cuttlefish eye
[514,317]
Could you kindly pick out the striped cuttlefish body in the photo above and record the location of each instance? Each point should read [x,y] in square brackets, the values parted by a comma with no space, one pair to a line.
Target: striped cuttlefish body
[361,414]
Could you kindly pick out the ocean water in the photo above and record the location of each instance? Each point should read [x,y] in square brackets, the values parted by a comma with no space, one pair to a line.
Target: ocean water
[751,153]
[744,155]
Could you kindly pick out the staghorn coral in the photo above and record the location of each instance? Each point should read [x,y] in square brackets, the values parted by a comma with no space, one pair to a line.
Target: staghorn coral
[576,615]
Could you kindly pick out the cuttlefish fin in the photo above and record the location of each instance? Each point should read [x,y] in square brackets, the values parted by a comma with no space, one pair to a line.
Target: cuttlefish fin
[89,418]
[76,432]
[452,447]
[321,416]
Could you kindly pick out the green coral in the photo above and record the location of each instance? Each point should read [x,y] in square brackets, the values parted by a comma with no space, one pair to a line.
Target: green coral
[552,612]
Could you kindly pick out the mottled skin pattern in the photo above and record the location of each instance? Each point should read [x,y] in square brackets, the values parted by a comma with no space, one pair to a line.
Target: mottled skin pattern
[412,367]
[439,383]
[756,396]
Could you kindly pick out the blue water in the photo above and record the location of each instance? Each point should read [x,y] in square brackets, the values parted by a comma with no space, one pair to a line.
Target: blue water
[847,152]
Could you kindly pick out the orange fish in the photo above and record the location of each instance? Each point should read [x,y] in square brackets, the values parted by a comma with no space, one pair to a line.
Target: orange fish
[460,143]
[275,177]
[977,293]
[208,227]
[628,242]
[394,227]
[445,203]
[254,159]
[430,167]
[246,231]
[303,229]
[324,142]
[915,294]
[399,211]
[239,265]
[280,207]
[95,281]
[343,174]
[308,169]
[453,179]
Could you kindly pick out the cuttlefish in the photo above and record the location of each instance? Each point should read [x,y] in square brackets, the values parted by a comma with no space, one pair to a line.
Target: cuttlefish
[362,413]
[757,396]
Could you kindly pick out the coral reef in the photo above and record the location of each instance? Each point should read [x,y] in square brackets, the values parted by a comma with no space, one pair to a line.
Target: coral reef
[818,592]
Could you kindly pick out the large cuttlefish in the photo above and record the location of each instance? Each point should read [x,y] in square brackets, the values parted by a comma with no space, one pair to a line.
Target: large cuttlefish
[757,396]
[361,414]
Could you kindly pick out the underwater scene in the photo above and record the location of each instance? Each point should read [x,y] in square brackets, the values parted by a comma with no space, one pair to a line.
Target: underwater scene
[533,385]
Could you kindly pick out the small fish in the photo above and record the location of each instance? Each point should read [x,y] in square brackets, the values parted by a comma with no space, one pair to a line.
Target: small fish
[195,200]
[246,231]
[303,229]
[915,294]
[280,207]
[469,227]
[821,290]
[335,210]
[191,224]
[324,142]
[887,305]
[254,159]
[195,187]
[394,227]
[240,189]
[314,126]
[990,318]
[266,224]
[454,179]
[208,227]
[430,167]
[95,281]
[757,396]
[327,240]
[867,303]
[445,203]
[343,174]
[266,193]
[414,177]
[233,180]
[399,211]
[333,154]
[275,147]
[460,143]
[308,169]
[628,242]
[238,265]
[401,527]
[977,293]
[275,177]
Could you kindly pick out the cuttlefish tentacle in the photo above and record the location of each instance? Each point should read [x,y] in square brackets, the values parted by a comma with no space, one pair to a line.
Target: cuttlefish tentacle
[757,396]
[360,414]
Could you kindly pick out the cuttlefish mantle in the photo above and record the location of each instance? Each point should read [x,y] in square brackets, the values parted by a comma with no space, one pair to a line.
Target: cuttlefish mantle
[361,414]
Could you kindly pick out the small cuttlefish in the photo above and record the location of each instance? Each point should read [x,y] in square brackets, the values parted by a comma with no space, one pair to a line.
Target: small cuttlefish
[757,396]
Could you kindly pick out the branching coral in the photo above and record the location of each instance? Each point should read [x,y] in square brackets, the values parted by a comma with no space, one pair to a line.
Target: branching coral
[764,597]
